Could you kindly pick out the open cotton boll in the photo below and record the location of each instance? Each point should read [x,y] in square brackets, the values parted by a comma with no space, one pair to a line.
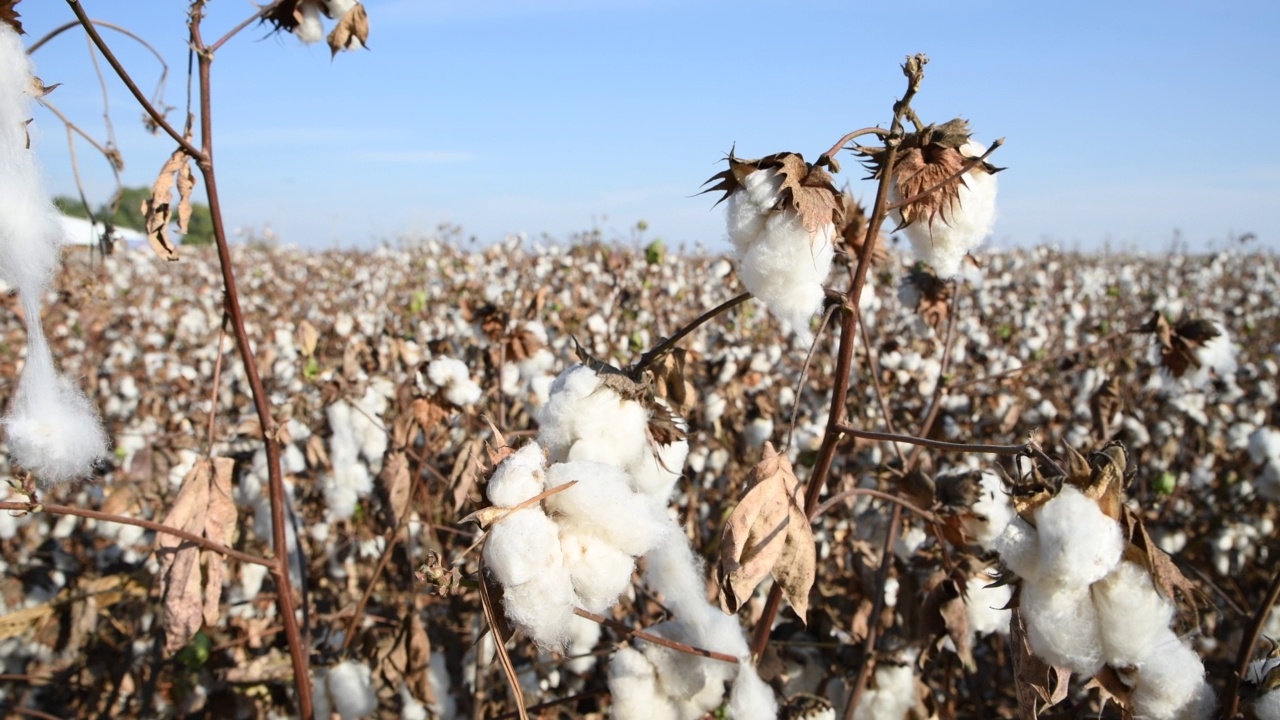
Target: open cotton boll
[960,227]
[599,571]
[522,546]
[985,606]
[751,698]
[518,478]
[1168,682]
[745,210]
[52,429]
[1217,354]
[338,8]
[1079,544]
[992,512]
[656,472]
[1267,707]
[1062,626]
[454,380]
[31,230]
[351,693]
[604,502]
[583,636]
[894,693]
[633,685]
[582,420]
[695,684]
[1264,446]
[1133,618]
[1019,547]
[543,608]
[310,29]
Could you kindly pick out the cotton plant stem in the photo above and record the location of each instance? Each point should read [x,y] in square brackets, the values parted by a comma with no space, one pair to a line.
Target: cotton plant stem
[648,358]
[1029,449]
[207,544]
[298,652]
[1247,645]
[655,639]
[844,356]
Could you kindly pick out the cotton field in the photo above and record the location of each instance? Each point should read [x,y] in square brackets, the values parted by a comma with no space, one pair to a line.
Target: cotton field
[390,371]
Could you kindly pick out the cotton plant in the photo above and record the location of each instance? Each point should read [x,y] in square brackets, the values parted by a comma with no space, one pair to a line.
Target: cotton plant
[453,379]
[1092,598]
[52,429]
[959,210]
[782,215]
[608,455]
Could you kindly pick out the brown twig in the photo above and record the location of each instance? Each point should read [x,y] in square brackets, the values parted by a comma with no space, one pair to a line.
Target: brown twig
[55,509]
[1251,636]
[877,605]
[828,157]
[1029,449]
[655,639]
[655,353]
[869,492]
[247,21]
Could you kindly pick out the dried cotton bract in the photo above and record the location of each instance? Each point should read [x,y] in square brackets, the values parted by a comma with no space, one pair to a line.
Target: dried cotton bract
[52,428]
[956,216]
[782,215]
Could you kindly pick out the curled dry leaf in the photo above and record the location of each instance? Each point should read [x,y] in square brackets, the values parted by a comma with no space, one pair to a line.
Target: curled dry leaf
[853,230]
[1178,345]
[203,507]
[351,29]
[768,534]
[9,15]
[158,207]
[806,188]
[670,384]
[934,304]
[308,337]
[1104,403]
[396,483]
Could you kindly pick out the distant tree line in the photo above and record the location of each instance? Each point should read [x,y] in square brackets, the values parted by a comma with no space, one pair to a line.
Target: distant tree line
[128,214]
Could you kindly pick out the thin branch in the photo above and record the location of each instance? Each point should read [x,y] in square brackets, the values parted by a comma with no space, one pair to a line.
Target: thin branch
[124,76]
[1251,635]
[873,360]
[655,639]
[249,20]
[203,542]
[662,347]
[827,157]
[1029,449]
[869,492]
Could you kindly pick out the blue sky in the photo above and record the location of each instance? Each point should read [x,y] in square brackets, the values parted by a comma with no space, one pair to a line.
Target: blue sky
[1124,121]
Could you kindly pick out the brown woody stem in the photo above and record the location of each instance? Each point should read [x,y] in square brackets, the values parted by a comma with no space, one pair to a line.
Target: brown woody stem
[662,347]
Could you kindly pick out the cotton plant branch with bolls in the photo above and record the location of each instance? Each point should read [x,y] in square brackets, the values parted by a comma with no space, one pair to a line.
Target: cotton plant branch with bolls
[52,429]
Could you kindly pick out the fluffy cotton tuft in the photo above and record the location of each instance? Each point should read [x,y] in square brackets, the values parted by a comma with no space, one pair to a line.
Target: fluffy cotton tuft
[992,512]
[1168,682]
[351,693]
[52,428]
[1079,544]
[599,571]
[1133,617]
[1019,547]
[454,380]
[959,227]
[519,477]
[522,546]
[604,501]
[985,605]
[894,693]
[1062,626]
[633,685]
[779,260]
[310,29]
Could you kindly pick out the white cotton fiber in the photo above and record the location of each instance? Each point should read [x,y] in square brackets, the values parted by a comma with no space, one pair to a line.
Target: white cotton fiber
[746,209]
[518,478]
[543,608]
[604,501]
[959,227]
[1168,682]
[52,429]
[583,636]
[582,420]
[599,571]
[30,227]
[1264,445]
[351,692]
[985,606]
[522,546]
[993,511]
[1019,547]
[894,693]
[1267,707]
[1079,544]
[1062,626]
[633,685]
[1217,355]
[454,380]
[337,8]
[310,29]
[695,684]
[751,698]
[441,687]
[1133,618]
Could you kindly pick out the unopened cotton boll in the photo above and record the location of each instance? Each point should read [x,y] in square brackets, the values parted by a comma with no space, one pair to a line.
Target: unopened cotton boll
[1079,544]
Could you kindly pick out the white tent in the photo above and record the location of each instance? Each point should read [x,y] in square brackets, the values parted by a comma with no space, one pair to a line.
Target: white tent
[79,231]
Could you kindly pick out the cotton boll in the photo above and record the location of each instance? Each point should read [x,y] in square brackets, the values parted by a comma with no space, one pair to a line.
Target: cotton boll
[785,268]
[1167,682]
[543,608]
[442,687]
[1264,446]
[1062,626]
[1133,618]
[961,226]
[604,503]
[521,546]
[311,30]
[599,571]
[518,478]
[337,8]
[582,420]
[52,429]
[351,692]
[583,636]
[746,209]
[695,684]
[750,698]
[894,693]
[633,685]
[992,512]
[656,472]
[1019,547]
[1079,544]
[985,606]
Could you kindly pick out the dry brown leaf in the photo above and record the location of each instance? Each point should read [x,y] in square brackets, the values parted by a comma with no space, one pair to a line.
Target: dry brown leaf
[286,15]
[396,483]
[768,534]
[1034,679]
[9,15]
[351,29]
[805,188]
[934,304]
[853,230]
[308,337]
[1101,477]
[317,455]
[180,581]
[670,384]
[158,207]
[406,659]
[219,526]
[1104,403]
